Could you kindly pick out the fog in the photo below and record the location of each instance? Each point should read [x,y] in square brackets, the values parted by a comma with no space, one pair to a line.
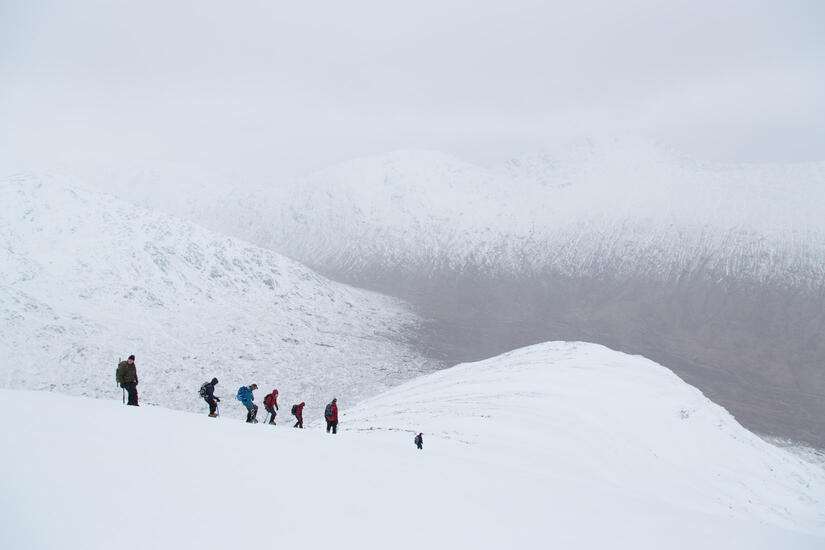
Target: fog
[273,90]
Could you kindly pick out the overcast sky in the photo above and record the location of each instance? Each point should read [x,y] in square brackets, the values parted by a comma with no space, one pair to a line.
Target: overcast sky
[290,87]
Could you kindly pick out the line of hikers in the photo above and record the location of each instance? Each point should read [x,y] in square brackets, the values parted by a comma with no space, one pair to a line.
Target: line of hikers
[247,398]
[126,377]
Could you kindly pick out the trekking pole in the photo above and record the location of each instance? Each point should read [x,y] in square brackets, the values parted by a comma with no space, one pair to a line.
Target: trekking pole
[117,383]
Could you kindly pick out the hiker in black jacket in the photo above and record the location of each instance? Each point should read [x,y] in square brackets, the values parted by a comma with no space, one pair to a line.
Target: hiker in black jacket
[208,394]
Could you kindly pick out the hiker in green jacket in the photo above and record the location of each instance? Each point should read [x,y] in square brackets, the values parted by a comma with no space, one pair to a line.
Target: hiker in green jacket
[127,379]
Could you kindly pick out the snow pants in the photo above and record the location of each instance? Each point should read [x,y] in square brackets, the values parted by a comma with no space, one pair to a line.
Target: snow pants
[131,390]
[272,413]
[300,423]
[332,425]
[213,405]
[251,410]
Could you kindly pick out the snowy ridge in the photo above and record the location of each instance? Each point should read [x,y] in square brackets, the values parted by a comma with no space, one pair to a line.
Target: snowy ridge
[88,279]
[617,209]
[620,215]
[604,417]
[565,445]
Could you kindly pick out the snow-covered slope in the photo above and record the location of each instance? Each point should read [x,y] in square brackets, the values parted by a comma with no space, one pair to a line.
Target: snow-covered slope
[620,209]
[88,279]
[590,414]
[561,445]
[715,270]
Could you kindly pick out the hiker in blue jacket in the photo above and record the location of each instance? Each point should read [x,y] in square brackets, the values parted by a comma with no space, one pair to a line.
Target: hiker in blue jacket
[245,396]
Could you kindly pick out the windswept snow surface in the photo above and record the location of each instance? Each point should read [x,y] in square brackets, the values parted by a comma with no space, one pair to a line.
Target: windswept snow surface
[560,445]
[88,279]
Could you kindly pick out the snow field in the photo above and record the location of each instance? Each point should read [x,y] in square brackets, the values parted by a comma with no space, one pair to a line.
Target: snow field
[558,445]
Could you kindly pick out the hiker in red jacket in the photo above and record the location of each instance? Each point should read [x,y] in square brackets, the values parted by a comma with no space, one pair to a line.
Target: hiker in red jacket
[271,405]
[298,411]
[331,415]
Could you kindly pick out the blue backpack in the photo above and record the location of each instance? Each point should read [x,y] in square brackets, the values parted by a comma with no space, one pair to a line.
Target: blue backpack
[243,393]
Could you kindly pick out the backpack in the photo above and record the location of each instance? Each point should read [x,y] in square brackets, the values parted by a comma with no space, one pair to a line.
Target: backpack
[268,401]
[294,409]
[328,411]
[241,393]
[202,392]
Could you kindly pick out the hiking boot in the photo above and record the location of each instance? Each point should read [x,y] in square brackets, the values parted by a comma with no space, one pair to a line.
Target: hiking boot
[213,415]
[272,422]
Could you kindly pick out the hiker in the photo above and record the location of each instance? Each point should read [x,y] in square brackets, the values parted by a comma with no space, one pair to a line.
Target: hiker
[127,379]
[207,391]
[245,396]
[298,411]
[271,405]
[331,414]
[419,441]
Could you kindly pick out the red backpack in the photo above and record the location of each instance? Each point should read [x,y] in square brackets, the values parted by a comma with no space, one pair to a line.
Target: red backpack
[268,401]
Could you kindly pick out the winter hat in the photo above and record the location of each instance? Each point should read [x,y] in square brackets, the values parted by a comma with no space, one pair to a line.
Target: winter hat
[275,391]
[253,386]
[132,357]
[214,381]
[334,399]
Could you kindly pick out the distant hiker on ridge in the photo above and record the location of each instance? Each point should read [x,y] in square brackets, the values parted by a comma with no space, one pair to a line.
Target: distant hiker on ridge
[207,391]
[298,411]
[419,441]
[127,378]
[271,405]
[331,415]
[245,396]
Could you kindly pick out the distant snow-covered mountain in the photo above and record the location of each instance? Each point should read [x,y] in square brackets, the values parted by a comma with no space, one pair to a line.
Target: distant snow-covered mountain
[620,210]
[88,279]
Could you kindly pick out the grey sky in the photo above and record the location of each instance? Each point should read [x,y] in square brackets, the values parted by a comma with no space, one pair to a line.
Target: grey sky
[277,88]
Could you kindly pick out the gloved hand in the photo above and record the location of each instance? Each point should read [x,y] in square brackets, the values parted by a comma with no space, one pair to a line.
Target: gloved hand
[217,399]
